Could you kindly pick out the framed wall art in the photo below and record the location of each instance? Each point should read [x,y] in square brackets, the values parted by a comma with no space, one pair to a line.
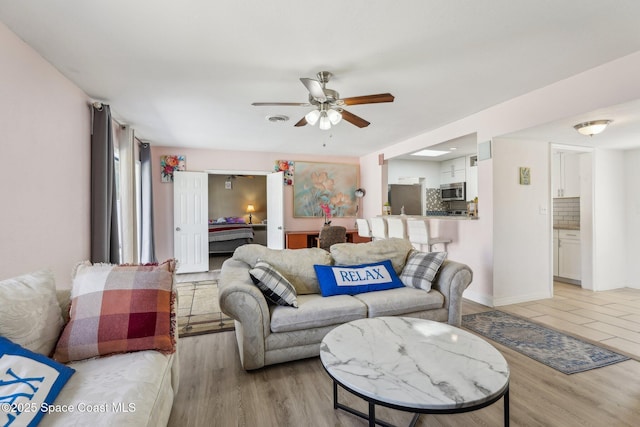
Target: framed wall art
[325,184]
[525,176]
[171,163]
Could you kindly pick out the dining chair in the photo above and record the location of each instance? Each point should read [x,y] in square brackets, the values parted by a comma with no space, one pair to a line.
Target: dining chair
[330,235]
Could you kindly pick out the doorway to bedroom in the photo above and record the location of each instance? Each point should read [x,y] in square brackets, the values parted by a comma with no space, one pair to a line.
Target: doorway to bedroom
[237,212]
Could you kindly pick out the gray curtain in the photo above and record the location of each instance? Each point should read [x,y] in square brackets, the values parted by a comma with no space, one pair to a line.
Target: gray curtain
[105,241]
[147,244]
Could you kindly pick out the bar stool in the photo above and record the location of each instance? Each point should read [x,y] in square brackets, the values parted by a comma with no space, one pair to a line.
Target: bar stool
[397,227]
[419,235]
[378,228]
[363,227]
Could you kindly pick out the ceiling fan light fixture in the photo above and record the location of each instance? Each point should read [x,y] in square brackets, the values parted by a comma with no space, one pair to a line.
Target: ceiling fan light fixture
[325,122]
[334,116]
[591,128]
[312,117]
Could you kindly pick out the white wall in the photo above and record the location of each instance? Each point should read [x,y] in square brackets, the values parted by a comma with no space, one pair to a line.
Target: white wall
[609,220]
[632,210]
[522,222]
[45,137]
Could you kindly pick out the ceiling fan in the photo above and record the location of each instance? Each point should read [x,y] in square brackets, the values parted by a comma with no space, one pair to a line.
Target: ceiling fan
[329,106]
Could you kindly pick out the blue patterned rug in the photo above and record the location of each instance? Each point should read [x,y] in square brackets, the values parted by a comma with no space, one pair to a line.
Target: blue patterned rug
[555,349]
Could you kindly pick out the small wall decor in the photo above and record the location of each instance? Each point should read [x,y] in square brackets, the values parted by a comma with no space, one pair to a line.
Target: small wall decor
[171,163]
[286,166]
[329,184]
[525,176]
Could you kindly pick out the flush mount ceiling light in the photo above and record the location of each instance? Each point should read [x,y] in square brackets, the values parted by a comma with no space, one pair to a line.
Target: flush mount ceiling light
[591,128]
[430,153]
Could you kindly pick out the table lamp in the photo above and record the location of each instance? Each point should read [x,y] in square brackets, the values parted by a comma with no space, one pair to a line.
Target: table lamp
[250,209]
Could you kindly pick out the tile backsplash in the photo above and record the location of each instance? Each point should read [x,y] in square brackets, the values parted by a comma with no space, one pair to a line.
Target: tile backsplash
[434,202]
[566,212]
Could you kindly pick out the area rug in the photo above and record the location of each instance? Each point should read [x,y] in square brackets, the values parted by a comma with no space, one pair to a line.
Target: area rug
[555,349]
[198,309]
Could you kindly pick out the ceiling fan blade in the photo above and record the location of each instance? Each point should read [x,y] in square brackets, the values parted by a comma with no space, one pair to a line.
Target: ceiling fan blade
[293,104]
[302,122]
[354,120]
[315,89]
[369,99]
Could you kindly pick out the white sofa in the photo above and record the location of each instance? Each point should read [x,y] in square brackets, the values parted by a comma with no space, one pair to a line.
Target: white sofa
[132,389]
[268,334]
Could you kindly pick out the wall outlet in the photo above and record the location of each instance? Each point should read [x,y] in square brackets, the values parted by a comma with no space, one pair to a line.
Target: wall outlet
[543,210]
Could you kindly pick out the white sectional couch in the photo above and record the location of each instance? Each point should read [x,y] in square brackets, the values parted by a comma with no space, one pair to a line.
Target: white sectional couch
[128,389]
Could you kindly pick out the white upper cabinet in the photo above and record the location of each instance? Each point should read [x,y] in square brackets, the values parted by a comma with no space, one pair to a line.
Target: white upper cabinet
[471,166]
[453,170]
[565,179]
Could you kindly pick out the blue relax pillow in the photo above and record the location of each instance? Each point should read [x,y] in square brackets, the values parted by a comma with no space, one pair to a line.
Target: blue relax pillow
[29,384]
[356,279]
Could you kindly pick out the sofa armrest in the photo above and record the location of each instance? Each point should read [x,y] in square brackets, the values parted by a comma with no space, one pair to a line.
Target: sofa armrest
[241,300]
[452,279]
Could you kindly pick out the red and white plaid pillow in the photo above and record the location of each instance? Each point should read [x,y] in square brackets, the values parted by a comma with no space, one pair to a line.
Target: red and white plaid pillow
[119,309]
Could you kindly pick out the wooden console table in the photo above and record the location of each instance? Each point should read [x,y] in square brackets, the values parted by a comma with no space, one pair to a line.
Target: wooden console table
[306,239]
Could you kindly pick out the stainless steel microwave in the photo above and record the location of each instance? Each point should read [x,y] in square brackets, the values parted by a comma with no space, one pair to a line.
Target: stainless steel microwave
[452,192]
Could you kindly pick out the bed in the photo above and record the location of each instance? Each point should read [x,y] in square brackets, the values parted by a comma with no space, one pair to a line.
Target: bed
[225,238]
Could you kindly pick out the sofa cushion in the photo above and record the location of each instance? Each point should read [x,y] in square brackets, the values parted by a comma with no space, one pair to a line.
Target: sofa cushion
[30,314]
[356,279]
[394,302]
[120,390]
[315,311]
[294,264]
[421,268]
[275,287]
[28,382]
[117,309]
[393,249]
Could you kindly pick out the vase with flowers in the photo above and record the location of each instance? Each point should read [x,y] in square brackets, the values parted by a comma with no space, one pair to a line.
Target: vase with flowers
[326,213]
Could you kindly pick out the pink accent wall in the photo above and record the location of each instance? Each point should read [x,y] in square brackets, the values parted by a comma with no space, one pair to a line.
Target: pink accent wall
[44,189]
[202,160]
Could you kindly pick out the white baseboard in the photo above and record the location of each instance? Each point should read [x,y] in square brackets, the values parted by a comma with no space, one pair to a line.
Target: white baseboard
[520,298]
[478,297]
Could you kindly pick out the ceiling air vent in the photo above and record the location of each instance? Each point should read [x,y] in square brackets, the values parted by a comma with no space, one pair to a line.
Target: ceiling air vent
[277,118]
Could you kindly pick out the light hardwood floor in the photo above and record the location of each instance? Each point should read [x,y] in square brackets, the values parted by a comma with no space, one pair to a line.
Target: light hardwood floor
[215,391]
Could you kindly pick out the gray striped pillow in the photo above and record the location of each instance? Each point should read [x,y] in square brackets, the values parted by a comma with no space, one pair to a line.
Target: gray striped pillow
[421,268]
[275,287]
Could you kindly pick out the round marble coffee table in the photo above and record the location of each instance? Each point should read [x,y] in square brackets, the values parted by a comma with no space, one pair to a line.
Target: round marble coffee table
[414,365]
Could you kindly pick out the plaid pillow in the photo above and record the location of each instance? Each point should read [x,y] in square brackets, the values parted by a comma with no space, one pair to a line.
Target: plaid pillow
[275,287]
[119,309]
[421,268]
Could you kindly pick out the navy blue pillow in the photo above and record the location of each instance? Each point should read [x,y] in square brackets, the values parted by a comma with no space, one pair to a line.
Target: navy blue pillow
[29,384]
[356,279]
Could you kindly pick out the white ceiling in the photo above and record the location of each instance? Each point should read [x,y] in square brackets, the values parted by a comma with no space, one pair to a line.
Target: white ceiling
[184,73]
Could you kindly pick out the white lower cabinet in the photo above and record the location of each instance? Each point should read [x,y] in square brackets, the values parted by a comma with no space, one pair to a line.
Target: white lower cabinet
[569,259]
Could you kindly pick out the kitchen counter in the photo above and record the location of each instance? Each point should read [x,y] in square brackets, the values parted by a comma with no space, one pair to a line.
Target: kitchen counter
[444,217]
[566,227]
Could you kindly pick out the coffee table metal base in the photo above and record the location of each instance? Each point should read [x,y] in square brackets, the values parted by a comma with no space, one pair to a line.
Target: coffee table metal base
[371,417]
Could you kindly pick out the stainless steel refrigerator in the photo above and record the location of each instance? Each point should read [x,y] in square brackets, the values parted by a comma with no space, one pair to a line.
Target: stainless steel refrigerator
[405,195]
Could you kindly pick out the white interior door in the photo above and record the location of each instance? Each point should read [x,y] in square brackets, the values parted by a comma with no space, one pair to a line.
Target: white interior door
[190,221]
[275,211]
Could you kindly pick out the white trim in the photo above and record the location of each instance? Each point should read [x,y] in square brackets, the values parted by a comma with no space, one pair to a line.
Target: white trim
[236,172]
[521,298]
[480,298]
